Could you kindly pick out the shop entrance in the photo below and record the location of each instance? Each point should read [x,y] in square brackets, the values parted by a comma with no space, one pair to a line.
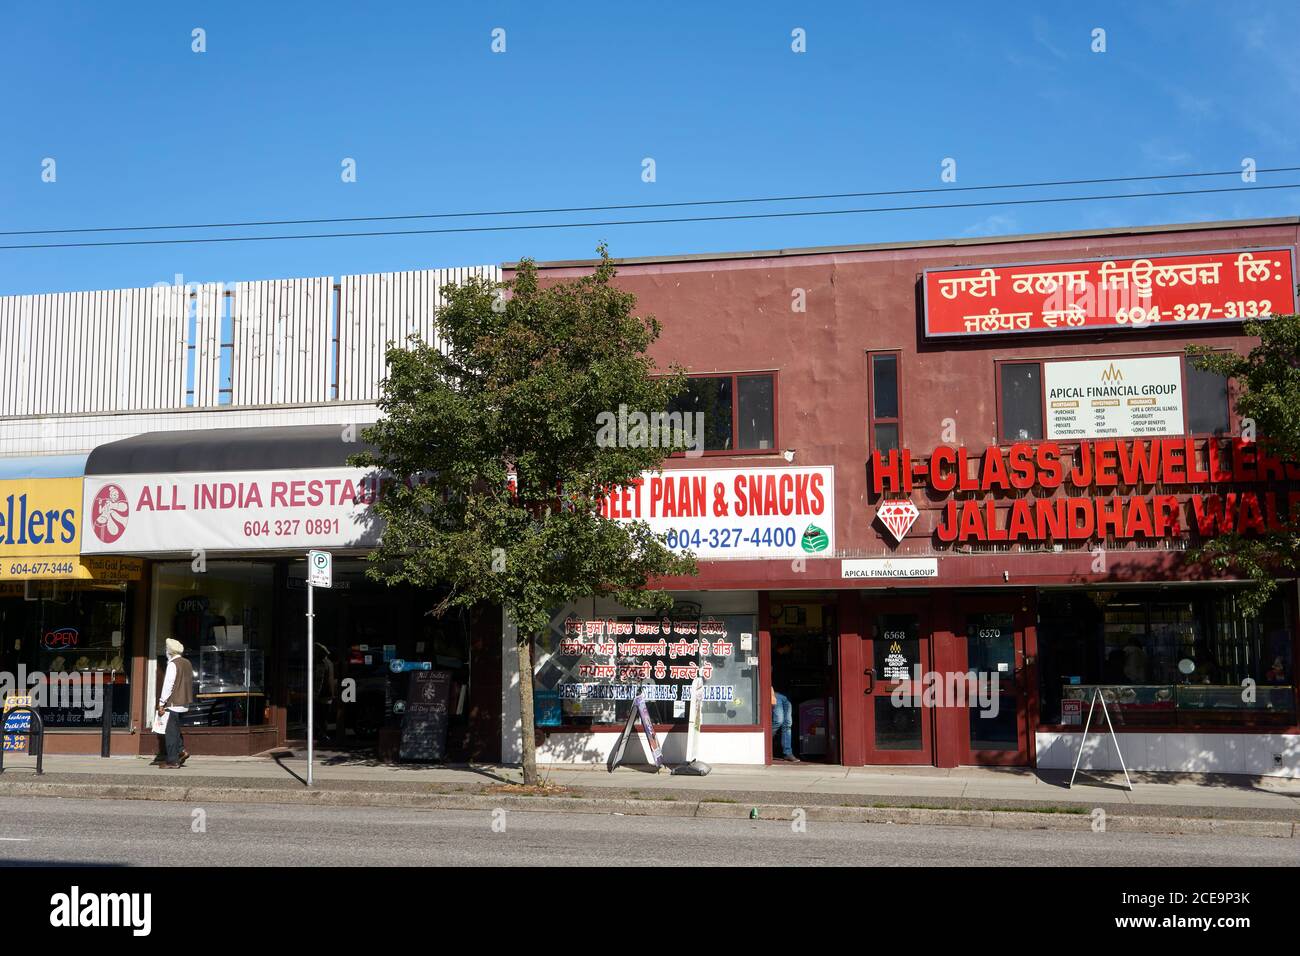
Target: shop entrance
[945,679]
[897,728]
[805,642]
[361,628]
[990,635]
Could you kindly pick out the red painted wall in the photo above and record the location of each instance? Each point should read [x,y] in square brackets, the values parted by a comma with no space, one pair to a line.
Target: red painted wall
[728,315]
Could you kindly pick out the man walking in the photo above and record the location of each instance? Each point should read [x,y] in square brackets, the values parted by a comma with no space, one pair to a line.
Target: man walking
[175,699]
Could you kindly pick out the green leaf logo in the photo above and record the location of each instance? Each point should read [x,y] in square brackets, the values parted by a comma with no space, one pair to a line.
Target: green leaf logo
[814,539]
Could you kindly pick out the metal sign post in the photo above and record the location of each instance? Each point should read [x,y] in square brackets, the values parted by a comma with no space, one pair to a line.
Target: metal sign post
[320,574]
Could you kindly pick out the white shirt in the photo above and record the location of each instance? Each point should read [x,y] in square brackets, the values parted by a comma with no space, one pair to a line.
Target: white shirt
[169,681]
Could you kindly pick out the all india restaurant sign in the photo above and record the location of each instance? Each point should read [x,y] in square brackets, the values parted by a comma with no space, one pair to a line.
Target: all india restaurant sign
[1100,482]
[231,511]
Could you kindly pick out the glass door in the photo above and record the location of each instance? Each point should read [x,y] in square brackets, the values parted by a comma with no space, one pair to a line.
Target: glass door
[898,727]
[996,689]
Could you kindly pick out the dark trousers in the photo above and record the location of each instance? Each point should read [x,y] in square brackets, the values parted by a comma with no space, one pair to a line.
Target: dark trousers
[173,737]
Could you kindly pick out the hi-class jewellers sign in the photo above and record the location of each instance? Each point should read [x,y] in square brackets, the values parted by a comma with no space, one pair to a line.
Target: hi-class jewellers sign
[734,512]
[231,511]
[1108,488]
[1156,292]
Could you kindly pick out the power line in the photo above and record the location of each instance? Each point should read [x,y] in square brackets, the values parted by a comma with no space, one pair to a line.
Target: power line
[651,205]
[646,222]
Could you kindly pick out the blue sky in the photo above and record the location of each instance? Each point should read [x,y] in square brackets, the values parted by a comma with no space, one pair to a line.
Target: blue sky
[145,131]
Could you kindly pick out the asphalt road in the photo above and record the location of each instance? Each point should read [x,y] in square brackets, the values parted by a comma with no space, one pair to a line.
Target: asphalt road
[143,833]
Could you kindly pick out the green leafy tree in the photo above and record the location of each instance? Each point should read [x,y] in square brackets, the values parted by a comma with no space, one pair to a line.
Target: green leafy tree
[1268,379]
[504,422]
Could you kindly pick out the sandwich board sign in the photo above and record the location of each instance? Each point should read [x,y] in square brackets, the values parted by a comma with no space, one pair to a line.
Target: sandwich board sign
[17,727]
[619,750]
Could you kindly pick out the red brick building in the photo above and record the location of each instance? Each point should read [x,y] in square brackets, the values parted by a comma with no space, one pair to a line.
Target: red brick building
[1023,409]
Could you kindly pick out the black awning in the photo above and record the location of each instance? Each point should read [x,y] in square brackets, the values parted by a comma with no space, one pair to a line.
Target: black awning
[229,449]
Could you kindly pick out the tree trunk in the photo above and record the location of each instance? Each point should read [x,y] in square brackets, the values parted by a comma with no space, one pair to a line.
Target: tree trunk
[524,645]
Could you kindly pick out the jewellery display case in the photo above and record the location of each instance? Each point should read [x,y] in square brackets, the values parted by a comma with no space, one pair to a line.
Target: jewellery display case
[230,688]
[229,670]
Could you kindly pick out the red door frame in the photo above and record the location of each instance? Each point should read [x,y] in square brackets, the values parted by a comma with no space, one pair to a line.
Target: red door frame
[1018,605]
[765,673]
[838,732]
[852,662]
[872,688]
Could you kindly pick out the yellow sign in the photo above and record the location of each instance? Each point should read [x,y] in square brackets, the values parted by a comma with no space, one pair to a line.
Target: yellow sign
[18,741]
[40,517]
[69,567]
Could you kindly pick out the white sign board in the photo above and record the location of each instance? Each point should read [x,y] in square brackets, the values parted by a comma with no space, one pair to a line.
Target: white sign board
[1114,398]
[320,569]
[230,511]
[717,513]
[890,568]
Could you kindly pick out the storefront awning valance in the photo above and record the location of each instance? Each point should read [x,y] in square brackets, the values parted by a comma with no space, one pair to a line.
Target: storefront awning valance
[43,466]
[229,449]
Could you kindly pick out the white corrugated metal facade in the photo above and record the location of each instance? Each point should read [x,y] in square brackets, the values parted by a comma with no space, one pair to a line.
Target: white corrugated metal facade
[75,352]
[257,344]
[388,307]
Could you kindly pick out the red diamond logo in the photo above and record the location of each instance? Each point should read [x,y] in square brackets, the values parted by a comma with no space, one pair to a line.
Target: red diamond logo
[897,516]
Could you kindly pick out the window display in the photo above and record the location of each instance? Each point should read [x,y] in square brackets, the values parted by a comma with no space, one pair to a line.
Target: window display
[223,617]
[73,631]
[594,665]
[1192,661]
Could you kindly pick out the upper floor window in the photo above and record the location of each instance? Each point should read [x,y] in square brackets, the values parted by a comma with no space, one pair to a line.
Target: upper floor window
[1207,401]
[738,410]
[883,389]
[1021,400]
[1103,397]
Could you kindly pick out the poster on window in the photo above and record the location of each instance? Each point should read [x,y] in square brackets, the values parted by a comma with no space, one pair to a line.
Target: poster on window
[1114,398]
[601,662]
[734,512]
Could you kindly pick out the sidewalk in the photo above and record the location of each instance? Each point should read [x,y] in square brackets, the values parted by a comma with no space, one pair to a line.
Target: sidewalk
[987,796]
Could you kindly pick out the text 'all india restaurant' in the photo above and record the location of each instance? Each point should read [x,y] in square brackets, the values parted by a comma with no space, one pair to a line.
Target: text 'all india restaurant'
[946,494]
[201,536]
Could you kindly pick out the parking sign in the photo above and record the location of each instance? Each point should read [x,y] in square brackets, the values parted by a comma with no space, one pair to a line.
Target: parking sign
[320,569]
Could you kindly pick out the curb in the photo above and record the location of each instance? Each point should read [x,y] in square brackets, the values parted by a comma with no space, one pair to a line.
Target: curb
[706,809]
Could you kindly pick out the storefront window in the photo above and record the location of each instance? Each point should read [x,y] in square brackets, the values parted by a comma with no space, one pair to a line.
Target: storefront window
[590,666]
[223,616]
[374,644]
[73,638]
[1166,661]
